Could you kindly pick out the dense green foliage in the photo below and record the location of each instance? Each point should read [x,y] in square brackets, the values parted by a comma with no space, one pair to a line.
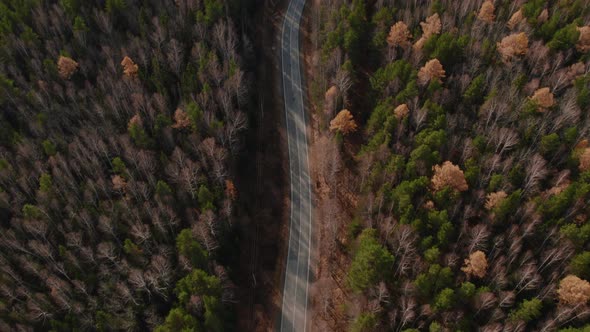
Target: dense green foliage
[371,262]
[527,310]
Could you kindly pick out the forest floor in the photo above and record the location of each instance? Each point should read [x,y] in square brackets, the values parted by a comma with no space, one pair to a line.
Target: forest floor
[264,201]
[334,199]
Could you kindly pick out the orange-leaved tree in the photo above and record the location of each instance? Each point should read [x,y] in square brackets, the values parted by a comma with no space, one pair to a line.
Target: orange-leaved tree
[448,175]
[512,46]
[494,199]
[399,35]
[476,265]
[343,123]
[583,44]
[573,290]
[515,19]
[66,67]
[430,27]
[401,111]
[543,99]
[181,119]
[486,12]
[130,69]
[432,71]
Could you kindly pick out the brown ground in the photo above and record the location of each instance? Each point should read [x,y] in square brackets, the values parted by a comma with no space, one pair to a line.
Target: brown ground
[264,197]
[334,199]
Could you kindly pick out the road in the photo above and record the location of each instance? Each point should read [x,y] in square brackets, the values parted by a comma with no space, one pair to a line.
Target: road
[294,306]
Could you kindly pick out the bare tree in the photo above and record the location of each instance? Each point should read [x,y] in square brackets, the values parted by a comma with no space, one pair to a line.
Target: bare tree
[535,172]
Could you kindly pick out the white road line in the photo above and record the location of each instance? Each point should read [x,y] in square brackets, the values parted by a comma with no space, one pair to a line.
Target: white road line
[294,312]
[289,151]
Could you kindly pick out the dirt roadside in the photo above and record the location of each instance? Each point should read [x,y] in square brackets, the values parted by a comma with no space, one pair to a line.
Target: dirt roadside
[334,187]
[263,187]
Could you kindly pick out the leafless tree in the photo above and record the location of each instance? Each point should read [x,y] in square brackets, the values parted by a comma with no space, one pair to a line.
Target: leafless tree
[485,301]
[528,278]
[175,56]
[535,172]
[478,236]
[407,308]
[225,40]
[138,281]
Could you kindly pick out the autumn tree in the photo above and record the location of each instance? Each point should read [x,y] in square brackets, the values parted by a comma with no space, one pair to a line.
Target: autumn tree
[230,189]
[181,119]
[401,111]
[495,199]
[573,290]
[513,46]
[330,100]
[66,67]
[476,265]
[543,99]
[432,26]
[486,12]
[515,19]
[130,69]
[584,158]
[583,44]
[543,16]
[399,35]
[343,123]
[119,182]
[431,72]
[448,175]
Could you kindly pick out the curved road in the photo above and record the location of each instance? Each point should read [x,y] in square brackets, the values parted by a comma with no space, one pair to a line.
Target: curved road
[294,307]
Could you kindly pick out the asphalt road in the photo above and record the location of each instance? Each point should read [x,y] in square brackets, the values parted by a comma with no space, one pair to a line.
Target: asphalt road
[294,307]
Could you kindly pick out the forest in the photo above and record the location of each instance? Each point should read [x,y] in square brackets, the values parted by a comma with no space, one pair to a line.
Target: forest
[450,157]
[121,124]
[461,130]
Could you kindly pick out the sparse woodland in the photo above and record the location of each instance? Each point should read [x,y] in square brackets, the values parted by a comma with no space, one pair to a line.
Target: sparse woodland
[470,161]
[120,122]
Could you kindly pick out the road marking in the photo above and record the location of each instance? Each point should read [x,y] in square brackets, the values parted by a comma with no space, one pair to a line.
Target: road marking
[289,151]
[299,173]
